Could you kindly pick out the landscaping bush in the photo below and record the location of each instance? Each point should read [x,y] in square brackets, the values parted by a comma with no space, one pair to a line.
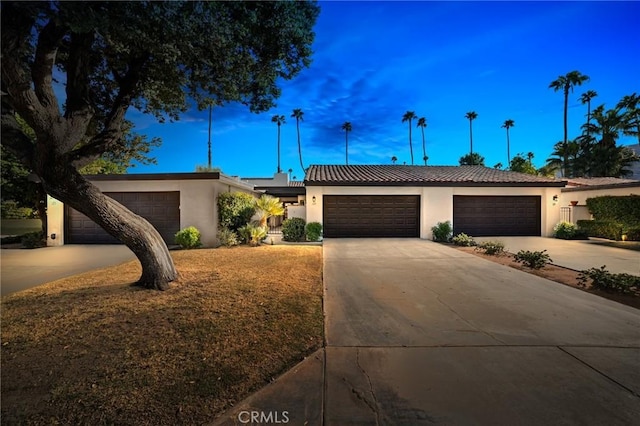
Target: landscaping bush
[492,248]
[464,240]
[252,234]
[33,240]
[293,229]
[633,234]
[227,237]
[442,231]
[313,231]
[564,230]
[602,279]
[235,209]
[188,238]
[532,259]
[622,209]
[10,209]
[602,229]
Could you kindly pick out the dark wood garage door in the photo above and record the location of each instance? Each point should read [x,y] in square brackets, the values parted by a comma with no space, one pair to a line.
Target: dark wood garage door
[371,216]
[484,216]
[161,209]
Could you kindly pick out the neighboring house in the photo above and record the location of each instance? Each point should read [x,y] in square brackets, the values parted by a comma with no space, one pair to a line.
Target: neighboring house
[406,201]
[573,198]
[635,166]
[290,192]
[169,202]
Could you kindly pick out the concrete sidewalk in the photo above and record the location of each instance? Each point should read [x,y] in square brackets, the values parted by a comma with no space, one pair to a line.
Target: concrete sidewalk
[420,333]
[21,269]
[576,254]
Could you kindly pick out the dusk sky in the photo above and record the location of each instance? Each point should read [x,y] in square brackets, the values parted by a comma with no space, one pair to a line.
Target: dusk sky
[373,61]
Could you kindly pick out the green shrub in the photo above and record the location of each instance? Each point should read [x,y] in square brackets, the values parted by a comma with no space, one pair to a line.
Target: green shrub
[602,279]
[464,240]
[235,209]
[33,240]
[602,229]
[313,231]
[227,237]
[188,238]
[633,234]
[10,209]
[252,234]
[492,248]
[293,229]
[532,259]
[442,231]
[564,230]
[621,209]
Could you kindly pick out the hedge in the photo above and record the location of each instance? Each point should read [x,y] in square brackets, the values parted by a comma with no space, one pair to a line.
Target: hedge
[602,228]
[621,209]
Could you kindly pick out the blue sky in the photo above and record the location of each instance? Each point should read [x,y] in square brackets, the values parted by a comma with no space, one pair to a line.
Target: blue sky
[373,61]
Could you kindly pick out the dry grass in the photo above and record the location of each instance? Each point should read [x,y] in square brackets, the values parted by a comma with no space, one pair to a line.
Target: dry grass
[91,349]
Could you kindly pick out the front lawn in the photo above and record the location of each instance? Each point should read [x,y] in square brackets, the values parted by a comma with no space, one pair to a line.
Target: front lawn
[91,349]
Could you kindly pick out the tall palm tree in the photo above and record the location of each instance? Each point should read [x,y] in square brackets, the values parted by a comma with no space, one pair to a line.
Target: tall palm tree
[346,126]
[408,116]
[394,159]
[585,98]
[279,120]
[209,140]
[565,83]
[507,125]
[471,115]
[631,115]
[298,115]
[422,123]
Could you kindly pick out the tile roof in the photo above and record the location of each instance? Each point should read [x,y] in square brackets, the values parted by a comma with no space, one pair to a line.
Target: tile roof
[296,183]
[597,181]
[396,175]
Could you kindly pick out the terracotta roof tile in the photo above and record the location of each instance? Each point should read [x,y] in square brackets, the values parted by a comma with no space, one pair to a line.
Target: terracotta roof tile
[420,176]
[597,181]
[296,183]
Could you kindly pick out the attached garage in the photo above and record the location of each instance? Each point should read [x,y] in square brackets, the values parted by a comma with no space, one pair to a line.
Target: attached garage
[484,216]
[161,209]
[371,216]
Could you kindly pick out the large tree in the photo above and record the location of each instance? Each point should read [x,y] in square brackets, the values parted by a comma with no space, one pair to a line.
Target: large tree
[279,120]
[298,114]
[566,83]
[471,115]
[408,116]
[629,104]
[507,125]
[422,123]
[474,159]
[346,126]
[154,56]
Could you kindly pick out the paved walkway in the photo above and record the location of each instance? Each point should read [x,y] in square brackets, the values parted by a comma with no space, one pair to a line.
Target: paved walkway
[576,254]
[420,333]
[21,269]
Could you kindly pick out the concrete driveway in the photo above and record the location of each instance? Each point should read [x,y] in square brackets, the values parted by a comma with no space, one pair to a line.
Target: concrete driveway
[23,269]
[576,254]
[418,333]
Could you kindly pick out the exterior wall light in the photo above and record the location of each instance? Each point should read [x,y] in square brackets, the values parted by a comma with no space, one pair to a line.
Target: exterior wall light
[555,198]
[313,200]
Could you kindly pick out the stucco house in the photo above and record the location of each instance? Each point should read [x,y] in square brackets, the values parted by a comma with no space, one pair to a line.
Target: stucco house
[170,202]
[406,201]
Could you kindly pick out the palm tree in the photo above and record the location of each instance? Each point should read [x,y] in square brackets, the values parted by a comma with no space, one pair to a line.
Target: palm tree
[346,126]
[408,116]
[585,98]
[564,157]
[209,140]
[471,115]
[631,115]
[507,125]
[279,120]
[298,115]
[394,159]
[422,123]
[267,207]
[565,83]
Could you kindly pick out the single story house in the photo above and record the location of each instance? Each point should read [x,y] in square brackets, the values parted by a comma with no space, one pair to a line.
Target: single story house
[170,202]
[290,192]
[406,201]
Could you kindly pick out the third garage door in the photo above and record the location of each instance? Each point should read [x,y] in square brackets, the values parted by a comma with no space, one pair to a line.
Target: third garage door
[484,216]
[371,216]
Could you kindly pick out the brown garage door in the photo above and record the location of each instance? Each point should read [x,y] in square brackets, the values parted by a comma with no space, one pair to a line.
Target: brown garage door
[371,216]
[482,216]
[161,209]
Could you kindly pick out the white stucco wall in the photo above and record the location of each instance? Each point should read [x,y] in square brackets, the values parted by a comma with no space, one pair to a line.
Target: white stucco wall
[198,202]
[437,202]
[581,196]
[296,211]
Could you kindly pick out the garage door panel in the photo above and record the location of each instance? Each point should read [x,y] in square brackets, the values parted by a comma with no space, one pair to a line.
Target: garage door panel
[371,215]
[161,209]
[497,215]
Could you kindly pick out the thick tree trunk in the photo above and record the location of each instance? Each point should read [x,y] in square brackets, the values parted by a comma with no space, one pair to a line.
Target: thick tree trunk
[68,186]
